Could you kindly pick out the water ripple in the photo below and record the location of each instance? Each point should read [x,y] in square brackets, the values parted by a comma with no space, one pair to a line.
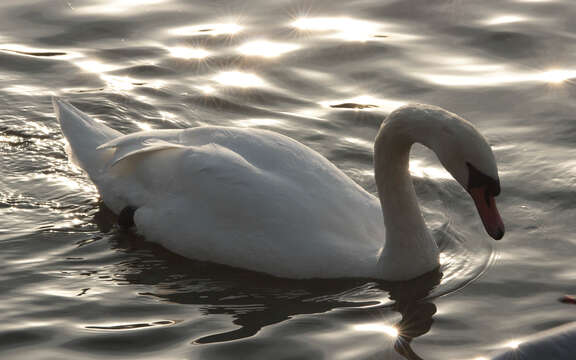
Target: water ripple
[325,74]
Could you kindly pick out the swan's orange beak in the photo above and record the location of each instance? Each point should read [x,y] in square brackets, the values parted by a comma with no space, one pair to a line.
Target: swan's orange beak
[488,212]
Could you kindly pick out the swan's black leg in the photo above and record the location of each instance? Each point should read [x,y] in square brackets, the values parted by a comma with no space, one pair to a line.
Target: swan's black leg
[126,217]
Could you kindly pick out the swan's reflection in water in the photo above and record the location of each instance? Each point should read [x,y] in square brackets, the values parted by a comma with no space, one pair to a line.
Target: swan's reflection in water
[255,301]
[416,312]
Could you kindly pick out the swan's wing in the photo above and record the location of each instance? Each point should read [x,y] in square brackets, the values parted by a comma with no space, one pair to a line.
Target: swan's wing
[150,172]
[149,145]
[141,136]
[141,142]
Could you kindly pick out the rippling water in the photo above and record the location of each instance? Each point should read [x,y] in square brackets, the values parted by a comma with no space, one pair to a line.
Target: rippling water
[325,73]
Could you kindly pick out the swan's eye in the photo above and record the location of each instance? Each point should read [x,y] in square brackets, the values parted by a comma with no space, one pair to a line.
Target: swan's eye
[476,179]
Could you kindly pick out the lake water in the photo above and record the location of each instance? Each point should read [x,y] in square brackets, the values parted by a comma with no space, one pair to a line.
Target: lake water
[325,73]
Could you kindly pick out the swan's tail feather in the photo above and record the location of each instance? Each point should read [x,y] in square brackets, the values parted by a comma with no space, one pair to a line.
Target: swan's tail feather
[83,135]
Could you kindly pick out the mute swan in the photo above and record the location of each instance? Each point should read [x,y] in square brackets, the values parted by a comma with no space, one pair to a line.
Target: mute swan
[259,200]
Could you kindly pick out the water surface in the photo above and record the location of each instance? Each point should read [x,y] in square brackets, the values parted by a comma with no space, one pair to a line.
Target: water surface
[325,73]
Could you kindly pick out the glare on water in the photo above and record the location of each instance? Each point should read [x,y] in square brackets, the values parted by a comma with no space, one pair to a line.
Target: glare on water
[325,74]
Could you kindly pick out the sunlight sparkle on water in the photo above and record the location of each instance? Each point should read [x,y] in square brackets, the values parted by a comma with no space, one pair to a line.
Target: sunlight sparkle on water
[360,142]
[444,259]
[504,19]
[96,66]
[257,122]
[167,116]
[266,48]
[206,89]
[70,183]
[29,260]
[344,28]
[144,126]
[386,329]
[513,344]
[27,89]
[555,76]
[188,52]
[418,169]
[238,78]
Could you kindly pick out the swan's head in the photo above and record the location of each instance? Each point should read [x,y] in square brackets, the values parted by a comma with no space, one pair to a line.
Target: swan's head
[463,151]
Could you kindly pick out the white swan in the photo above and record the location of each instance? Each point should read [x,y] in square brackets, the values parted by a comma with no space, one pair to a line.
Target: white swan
[259,200]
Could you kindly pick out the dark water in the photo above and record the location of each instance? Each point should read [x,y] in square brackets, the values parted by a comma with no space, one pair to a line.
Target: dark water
[325,73]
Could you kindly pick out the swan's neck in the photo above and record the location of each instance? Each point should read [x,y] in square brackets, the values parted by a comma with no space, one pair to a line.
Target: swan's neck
[409,250]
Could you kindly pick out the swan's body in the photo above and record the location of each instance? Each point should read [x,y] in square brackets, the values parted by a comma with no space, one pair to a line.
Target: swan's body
[259,200]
